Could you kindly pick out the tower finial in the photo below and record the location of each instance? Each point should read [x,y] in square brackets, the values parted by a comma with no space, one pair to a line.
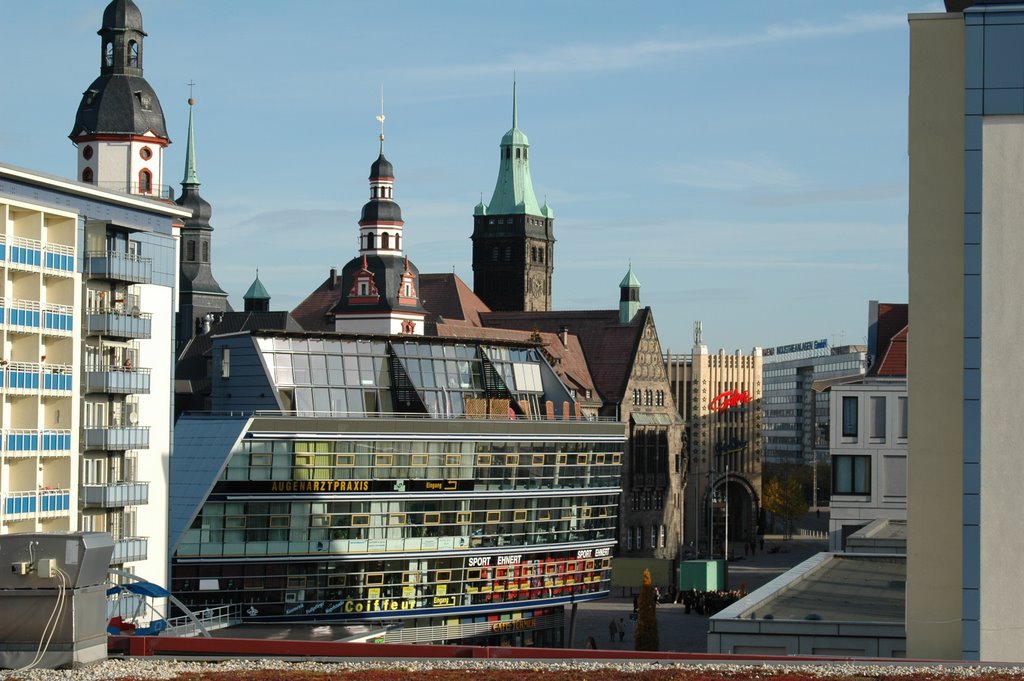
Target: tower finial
[515,115]
[380,119]
[190,145]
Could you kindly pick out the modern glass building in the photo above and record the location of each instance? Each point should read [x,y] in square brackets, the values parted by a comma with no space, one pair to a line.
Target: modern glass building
[421,486]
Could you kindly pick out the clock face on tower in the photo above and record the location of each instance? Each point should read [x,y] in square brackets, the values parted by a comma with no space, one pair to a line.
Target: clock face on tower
[537,284]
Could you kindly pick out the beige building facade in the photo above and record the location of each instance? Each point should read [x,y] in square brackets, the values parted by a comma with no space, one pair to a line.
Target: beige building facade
[966,143]
[719,399]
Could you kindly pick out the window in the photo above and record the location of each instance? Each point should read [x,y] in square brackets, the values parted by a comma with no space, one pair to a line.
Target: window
[133,53]
[87,175]
[385,240]
[878,417]
[190,250]
[108,54]
[901,414]
[851,475]
[206,251]
[87,152]
[145,153]
[636,397]
[849,416]
[648,398]
[661,537]
[145,182]
[654,536]
[629,538]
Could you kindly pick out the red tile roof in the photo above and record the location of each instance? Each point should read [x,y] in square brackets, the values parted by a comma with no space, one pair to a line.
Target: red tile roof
[450,300]
[313,313]
[891,340]
[608,346]
[894,361]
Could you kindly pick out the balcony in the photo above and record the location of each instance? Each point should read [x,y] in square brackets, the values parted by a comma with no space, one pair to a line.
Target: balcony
[30,442]
[117,438]
[116,494]
[26,378]
[109,322]
[45,503]
[119,380]
[130,549]
[119,266]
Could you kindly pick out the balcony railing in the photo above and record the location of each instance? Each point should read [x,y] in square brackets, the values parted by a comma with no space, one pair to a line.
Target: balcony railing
[119,266]
[43,502]
[31,377]
[116,494]
[110,322]
[120,380]
[129,549]
[30,317]
[117,438]
[29,442]
[151,191]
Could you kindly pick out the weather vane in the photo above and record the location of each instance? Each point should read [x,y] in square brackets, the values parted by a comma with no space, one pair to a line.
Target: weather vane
[380,116]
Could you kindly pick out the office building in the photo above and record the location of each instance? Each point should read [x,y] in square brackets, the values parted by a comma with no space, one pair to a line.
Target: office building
[966,143]
[719,399]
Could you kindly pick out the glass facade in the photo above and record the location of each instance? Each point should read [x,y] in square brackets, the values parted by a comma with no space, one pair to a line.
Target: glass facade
[452,506]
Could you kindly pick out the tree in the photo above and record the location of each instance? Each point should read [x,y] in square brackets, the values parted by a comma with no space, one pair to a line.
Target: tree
[784,499]
[647,616]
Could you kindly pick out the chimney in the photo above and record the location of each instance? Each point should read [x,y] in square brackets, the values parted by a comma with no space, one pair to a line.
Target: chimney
[563,335]
[334,275]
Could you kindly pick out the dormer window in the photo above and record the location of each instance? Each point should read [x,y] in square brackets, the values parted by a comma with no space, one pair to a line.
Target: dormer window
[364,288]
[407,290]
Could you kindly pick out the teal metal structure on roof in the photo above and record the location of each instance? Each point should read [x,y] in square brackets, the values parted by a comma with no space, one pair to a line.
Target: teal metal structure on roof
[256,291]
[190,150]
[630,280]
[513,192]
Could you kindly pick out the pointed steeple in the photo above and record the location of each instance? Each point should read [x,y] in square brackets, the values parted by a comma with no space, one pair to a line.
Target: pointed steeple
[198,291]
[629,297]
[513,236]
[513,192]
[256,299]
[190,149]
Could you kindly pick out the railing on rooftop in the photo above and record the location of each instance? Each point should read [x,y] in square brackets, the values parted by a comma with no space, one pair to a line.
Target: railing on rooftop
[149,191]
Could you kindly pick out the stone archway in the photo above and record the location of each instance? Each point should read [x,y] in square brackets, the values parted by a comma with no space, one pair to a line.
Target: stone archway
[730,501]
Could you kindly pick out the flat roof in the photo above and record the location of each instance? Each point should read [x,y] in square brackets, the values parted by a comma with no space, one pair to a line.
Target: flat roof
[831,587]
[85,189]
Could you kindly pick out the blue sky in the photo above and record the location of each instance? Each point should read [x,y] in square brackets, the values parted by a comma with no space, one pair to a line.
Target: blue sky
[749,158]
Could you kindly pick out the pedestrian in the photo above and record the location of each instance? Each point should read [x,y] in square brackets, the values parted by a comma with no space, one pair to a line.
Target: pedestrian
[612,630]
[591,643]
[622,630]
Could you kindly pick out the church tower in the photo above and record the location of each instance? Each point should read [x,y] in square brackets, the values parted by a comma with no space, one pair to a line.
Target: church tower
[119,129]
[380,287]
[513,237]
[198,292]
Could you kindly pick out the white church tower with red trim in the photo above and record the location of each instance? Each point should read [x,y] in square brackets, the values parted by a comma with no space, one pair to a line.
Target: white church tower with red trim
[119,130]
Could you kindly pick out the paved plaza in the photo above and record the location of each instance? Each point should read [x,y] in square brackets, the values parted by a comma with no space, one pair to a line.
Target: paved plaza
[679,632]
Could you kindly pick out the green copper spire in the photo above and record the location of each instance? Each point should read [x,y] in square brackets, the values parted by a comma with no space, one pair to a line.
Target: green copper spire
[257,291]
[190,150]
[629,297]
[513,193]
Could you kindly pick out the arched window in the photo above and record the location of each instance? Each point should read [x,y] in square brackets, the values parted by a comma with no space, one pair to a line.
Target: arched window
[525,152]
[108,54]
[508,153]
[206,251]
[87,175]
[190,250]
[385,240]
[398,246]
[145,182]
[518,153]
[369,242]
[133,53]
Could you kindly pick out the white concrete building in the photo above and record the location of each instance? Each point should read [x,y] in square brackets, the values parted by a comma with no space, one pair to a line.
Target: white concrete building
[87,289]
